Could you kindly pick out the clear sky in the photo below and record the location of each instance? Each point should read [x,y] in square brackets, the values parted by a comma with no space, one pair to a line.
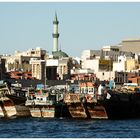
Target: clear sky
[82,25]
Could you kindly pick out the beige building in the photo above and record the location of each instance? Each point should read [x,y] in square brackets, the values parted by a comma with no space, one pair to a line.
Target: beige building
[20,60]
[63,68]
[110,52]
[130,45]
[38,68]
[131,65]
[105,75]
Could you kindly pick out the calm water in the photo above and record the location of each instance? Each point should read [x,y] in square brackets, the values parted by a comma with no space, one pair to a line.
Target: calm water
[68,128]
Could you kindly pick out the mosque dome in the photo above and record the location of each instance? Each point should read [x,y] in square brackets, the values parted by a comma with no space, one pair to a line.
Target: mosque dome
[59,54]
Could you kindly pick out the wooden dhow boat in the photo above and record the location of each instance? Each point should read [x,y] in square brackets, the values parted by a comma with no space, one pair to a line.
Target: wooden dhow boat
[12,101]
[47,103]
[83,102]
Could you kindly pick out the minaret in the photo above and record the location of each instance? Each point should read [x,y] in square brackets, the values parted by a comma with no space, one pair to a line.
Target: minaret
[55,34]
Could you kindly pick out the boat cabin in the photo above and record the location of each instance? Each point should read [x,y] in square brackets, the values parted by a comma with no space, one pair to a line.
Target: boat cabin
[87,88]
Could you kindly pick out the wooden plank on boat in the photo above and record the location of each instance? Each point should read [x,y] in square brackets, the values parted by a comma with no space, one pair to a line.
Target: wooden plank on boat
[77,110]
[97,112]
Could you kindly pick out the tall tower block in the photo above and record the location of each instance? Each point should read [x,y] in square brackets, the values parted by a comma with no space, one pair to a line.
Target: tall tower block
[55,34]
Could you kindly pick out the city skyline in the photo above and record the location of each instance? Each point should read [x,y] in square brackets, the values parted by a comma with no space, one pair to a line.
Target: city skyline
[88,25]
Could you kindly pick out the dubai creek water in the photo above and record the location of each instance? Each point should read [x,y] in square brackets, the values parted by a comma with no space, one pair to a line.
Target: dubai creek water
[68,128]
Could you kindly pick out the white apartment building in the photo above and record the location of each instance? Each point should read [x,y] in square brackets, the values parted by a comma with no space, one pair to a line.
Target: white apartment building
[125,64]
[92,64]
[120,65]
[89,54]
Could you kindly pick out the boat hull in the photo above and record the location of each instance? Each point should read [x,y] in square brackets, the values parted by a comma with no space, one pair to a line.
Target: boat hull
[75,105]
[96,111]
[122,105]
[7,108]
[77,110]
[22,111]
[19,103]
[45,111]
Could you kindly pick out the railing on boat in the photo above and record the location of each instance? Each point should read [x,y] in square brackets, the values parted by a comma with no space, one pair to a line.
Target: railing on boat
[38,102]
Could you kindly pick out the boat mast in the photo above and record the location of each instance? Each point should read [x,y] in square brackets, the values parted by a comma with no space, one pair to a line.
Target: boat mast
[45,74]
